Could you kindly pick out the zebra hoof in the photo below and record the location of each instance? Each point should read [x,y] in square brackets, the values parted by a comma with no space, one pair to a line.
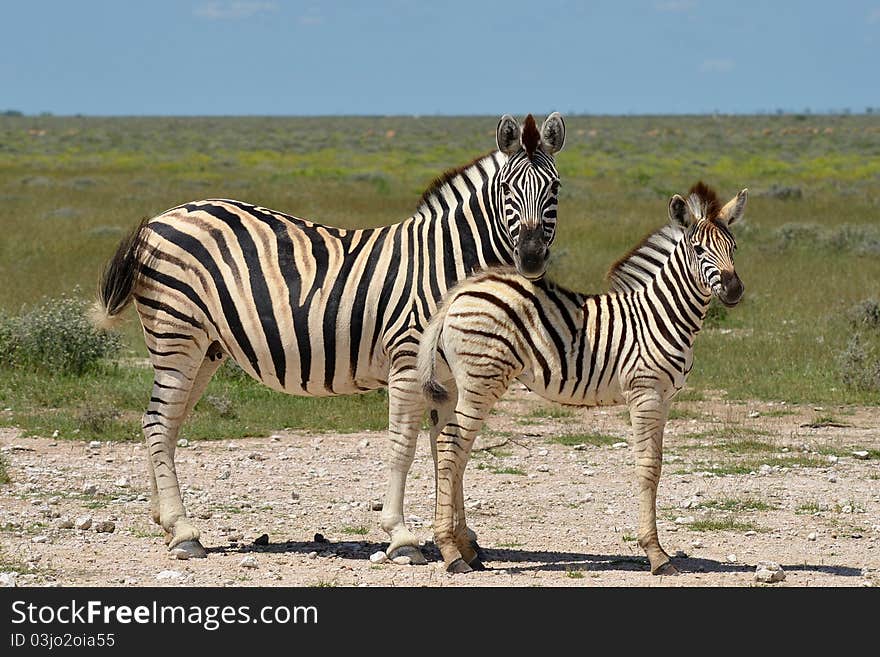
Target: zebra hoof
[193,548]
[477,564]
[665,569]
[458,567]
[416,558]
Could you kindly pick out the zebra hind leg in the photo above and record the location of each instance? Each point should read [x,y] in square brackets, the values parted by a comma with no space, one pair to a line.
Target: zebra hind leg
[181,376]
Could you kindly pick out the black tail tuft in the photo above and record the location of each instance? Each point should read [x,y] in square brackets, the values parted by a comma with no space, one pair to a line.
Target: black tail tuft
[119,278]
[435,392]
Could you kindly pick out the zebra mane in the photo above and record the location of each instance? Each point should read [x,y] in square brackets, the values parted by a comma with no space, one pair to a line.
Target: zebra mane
[703,202]
[447,177]
[640,266]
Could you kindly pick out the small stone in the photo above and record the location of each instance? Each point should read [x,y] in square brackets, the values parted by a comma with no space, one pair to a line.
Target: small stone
[811,536]
[294,496]
[64,523]
[178,553]
[580,447]
[765,469]
[379,557]
[769,572]
[105,527]
[83,522]
[860,454]
[543,452]
[95,444]
[40,539]
[402,561]
[754,414]
[55,499]
[122,482]
[751,532]
[205,515]
[619,445]
[170,574]
[832,458]
[183,442]
[7,579]
[731,558]
[55,433]
[697,543]
[224,474]
[376,505]
[847,508]
[543,468]
[312,555]
[684,520]
[89,489]
[262,539]
[364,443]
[832,479]
[343,507]
[249,561]
[234,537]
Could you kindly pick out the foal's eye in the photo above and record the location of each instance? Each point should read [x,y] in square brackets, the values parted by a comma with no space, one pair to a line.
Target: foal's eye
[505,188]
[699,250]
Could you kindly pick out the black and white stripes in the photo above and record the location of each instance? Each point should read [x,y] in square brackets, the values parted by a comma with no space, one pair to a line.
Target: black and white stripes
[633,345]
[315,310]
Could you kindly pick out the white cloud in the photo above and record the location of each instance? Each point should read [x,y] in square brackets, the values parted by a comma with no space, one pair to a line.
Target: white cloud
[675,5]
[717,66]
[233,10]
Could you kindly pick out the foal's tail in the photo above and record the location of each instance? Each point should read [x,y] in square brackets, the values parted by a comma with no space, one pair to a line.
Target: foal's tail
[426,364]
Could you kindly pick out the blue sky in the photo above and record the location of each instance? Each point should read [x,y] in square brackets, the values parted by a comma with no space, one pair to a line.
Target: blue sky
[281,57]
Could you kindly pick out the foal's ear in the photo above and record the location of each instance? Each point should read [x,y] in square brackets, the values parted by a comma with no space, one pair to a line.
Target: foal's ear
[735,207]
[678,212]
[553,133]
[507,135]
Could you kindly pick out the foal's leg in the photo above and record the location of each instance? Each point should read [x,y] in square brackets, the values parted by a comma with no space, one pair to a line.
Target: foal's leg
[648,413]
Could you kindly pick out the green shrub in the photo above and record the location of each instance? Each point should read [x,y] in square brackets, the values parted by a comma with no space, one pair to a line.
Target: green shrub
[865,314]
[55,336]
[859,367]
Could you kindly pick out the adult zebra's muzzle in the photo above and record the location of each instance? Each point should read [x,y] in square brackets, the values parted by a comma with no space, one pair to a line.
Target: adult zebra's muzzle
[531,254]
[730,291]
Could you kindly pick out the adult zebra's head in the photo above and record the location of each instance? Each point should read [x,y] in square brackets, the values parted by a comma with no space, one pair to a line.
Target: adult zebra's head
[706,223]
[528,187]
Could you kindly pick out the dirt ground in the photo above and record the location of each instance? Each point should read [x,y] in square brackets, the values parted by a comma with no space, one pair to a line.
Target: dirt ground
[546,514]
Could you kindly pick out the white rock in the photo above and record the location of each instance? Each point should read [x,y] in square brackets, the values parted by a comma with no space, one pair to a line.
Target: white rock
[312,555]
[122,482]
[847,508]
[379,557]
[402,561]
[343,507]
[769,571]
[811,536]
[543,452]
[619,445]
[178,553]
[64,523]
[83,522]
[183,442]
[89,489]
[697,543]
[364,443]
[832,479]
[860,454]
[543,468]
[754,414]
[55,433]
[731,558]
[832,458]
[105,527]
[751,532]
[684,520]
[249,561]
[7,579]
[170,574]
[95,444]
[765,469]
[40,539]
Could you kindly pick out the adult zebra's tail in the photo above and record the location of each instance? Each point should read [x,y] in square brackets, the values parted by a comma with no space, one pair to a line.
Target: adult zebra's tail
[118,279]
[426,364]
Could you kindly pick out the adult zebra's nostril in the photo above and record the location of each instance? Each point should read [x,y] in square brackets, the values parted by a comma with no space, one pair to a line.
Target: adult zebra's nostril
[731,288]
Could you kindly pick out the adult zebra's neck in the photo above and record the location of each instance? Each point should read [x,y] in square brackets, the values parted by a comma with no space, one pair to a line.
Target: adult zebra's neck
[460,225]
[663,269]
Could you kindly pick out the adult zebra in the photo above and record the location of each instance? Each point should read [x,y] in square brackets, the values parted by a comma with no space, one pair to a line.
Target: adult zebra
[633,345]
[314,310]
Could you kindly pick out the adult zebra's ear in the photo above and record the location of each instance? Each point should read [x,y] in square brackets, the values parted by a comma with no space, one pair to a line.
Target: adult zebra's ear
[735,207]
[678,211]
[507,135]
[553,133]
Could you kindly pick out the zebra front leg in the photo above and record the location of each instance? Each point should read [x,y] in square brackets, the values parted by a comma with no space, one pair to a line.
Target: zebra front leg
[648,413]
[405,412]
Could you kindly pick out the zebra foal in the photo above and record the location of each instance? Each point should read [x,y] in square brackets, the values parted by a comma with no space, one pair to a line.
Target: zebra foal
[313,310]
[632,345]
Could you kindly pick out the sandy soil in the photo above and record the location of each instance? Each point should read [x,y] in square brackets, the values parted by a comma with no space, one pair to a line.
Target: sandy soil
[546,514]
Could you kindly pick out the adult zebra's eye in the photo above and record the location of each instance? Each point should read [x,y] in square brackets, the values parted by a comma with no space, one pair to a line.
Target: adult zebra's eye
[505,188]
[699,250]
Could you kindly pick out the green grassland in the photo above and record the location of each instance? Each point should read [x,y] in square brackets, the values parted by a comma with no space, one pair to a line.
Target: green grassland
[809,247]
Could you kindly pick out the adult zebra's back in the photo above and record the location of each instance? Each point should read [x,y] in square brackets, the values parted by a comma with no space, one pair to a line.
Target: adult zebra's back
[316,310]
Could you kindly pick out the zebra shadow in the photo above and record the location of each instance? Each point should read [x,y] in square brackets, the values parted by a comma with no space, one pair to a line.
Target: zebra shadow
[513,560]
